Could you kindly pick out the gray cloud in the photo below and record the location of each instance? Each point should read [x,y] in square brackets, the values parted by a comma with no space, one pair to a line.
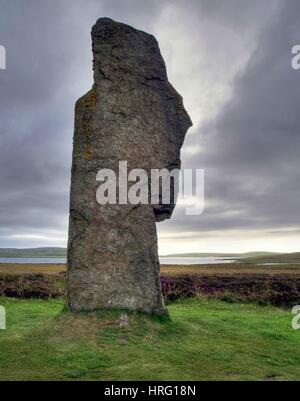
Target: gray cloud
[215,51]
[251,149]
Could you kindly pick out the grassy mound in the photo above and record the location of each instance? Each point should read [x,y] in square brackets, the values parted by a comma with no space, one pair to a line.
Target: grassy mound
[199,340]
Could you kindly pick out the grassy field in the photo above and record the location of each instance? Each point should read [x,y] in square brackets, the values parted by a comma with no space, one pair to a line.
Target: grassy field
[16,268]
[201,340]
[169,270]
[277,285]
[204,338]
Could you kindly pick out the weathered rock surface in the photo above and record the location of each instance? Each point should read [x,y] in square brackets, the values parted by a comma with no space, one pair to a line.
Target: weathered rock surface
[132,113]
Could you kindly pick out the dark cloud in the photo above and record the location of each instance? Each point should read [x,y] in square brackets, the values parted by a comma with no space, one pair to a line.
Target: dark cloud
[49,66]
[250,150]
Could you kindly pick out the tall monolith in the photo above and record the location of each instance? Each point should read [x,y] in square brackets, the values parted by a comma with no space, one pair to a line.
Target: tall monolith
[132,113]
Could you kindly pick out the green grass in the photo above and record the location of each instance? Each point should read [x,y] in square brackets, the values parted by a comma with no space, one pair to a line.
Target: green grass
[201,340]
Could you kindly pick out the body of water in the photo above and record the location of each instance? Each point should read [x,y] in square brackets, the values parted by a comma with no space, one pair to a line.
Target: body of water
[211,260]
[163,260]
[36,261]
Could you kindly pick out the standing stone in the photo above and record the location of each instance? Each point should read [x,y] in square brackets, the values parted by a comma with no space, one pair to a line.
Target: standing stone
[132,113]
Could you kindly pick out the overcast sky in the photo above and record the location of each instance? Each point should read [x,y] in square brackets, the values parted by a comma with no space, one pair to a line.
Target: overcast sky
[231,62]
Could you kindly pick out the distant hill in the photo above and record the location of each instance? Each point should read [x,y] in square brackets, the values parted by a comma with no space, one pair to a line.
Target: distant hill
[33,253]
[277,258]
[248,257]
